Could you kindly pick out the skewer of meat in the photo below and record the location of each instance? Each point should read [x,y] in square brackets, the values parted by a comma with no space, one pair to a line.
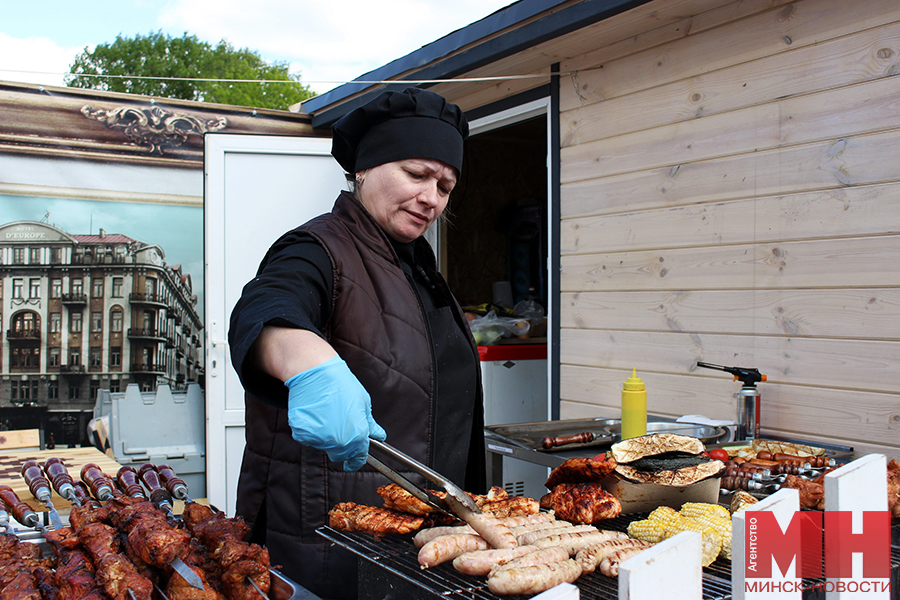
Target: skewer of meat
[244,566]
[116,574]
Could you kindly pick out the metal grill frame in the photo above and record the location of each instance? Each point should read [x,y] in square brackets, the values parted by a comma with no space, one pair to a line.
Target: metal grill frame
[397,554]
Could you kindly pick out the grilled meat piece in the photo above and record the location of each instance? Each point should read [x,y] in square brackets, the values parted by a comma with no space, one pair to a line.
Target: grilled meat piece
[82,516]
[74,575]
[209,526]
[586,503]
[21,587]
[398,499]
[513,506]
[179,589]
[235,582]
[118,576]
[157,543]
[349,516]
[812,494]
[115,573]
[893,485]
[580,470]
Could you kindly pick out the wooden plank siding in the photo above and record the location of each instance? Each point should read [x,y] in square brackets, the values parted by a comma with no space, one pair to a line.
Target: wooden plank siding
[731,193]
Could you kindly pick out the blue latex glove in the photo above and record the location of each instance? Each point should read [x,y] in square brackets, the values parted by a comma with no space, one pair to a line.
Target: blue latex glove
[329,409]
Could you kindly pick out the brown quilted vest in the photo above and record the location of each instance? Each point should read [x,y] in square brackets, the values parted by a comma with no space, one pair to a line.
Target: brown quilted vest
[291,487]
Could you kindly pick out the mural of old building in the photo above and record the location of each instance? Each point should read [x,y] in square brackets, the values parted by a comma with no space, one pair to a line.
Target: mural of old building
[85,312]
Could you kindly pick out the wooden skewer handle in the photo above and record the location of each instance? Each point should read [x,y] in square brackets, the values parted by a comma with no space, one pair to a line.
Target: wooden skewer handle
[58,474]
[562,440]
[101,486]
[128,482]
[158,494]
[176,486]
[20,511]
[35,480]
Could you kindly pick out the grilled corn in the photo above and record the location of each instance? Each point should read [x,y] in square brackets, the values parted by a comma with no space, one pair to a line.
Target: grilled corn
[664,522]
[714,516]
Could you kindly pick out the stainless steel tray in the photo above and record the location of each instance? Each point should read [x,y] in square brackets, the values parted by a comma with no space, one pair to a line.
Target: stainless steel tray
[281,587]
[606,432]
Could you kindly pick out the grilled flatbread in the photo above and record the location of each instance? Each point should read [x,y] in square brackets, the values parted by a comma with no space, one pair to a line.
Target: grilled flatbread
[673,477]
[633,449]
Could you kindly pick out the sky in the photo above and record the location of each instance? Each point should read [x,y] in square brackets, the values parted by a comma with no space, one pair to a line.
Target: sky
[326,42]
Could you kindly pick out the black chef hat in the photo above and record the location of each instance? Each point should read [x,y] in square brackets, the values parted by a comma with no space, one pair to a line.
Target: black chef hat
[414,123]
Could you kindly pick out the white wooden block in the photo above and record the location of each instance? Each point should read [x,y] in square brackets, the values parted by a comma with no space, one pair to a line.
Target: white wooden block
[783,504]
[672,566]
[858,486]
[563,591]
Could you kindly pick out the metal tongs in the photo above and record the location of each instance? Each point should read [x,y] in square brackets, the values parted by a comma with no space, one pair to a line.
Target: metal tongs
[456,502]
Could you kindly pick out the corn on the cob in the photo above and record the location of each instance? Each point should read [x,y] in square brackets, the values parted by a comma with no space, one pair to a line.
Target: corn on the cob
[664,522]
[714,516]
[699,510]
[647,530]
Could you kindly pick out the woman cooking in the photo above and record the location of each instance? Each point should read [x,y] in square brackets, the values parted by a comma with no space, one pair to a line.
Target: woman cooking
[348,332]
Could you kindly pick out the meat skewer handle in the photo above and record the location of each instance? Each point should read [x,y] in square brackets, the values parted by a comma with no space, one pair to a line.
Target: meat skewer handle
[158,494]
[97,481]
[176,486]
[562,440]
[40,488]
[127,478]
[83,495]
[35,480]
[21,512]
[61,480]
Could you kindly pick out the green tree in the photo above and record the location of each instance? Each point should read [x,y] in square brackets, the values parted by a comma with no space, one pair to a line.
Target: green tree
[124,65]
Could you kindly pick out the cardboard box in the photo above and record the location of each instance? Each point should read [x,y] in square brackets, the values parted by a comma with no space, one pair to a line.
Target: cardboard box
[644,497]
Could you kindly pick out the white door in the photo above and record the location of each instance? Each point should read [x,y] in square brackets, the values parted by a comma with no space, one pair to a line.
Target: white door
[255,189]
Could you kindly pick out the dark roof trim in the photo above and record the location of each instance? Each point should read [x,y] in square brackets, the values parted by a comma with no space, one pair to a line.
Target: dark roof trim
[551,26]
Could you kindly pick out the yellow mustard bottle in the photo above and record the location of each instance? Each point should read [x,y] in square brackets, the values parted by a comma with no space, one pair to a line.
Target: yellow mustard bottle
[634,407]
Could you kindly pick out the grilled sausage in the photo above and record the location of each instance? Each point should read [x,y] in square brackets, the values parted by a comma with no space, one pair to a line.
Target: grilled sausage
[530,537]
[573,542]
[490,528]
[541,517]
[520,529]
[610,564]
[480,562]
[426,535]
[590,557]
[448,547]
[535,579]
[539,556]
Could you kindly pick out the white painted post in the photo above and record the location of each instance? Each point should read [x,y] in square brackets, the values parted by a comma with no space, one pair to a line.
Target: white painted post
[670,569]
[783,504]
[858,486]
[563,591]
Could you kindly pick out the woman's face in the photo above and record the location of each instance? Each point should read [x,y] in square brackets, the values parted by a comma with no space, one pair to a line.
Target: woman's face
[406,196]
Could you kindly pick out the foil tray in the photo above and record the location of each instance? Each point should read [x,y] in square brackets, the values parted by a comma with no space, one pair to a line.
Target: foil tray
[606,432]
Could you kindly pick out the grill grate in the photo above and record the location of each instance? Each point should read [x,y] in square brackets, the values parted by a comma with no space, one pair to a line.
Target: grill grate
[398,555]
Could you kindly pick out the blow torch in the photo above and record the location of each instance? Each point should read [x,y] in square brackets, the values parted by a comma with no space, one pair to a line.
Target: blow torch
[748,399]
